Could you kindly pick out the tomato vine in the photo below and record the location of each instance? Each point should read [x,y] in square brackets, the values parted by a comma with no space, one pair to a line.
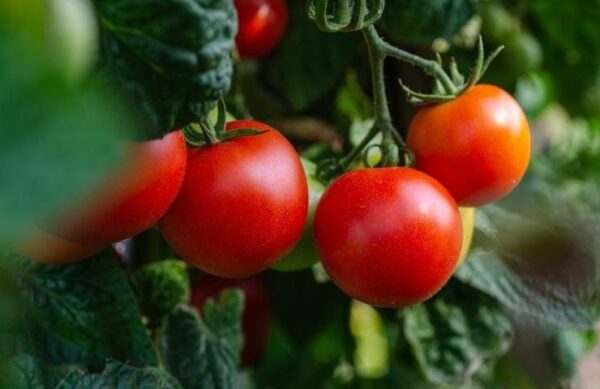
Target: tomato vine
[344,16]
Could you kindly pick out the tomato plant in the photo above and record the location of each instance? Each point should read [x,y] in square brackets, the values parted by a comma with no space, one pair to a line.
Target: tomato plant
[388,237]
[261,24]
[132,199]
[142,193]
[242,206]
[255,318]
[478,146]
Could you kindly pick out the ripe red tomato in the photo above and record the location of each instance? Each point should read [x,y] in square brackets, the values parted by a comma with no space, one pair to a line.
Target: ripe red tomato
[242,206]
[255,318]
[478,145]
[44,247]
[261,24]
[133,198]
[389,237]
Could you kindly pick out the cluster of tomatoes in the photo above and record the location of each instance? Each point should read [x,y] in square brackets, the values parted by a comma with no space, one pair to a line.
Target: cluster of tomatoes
[392,236]
[386,236]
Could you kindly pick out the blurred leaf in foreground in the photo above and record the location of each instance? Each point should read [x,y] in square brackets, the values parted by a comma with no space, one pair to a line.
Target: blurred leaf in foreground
[55,139]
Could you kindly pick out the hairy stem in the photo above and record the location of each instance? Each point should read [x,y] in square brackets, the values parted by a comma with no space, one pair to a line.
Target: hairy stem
[430,67]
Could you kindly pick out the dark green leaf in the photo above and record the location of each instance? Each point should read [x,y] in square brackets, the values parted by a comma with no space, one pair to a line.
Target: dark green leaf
[119,375]
[85,312]
[160,287]
[25,372]
[204,354]
[456,334]
[171,58]
[423,21]
[308,63]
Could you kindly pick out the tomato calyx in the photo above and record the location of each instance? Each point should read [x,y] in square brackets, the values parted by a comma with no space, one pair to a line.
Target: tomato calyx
[205,133]
[457,84]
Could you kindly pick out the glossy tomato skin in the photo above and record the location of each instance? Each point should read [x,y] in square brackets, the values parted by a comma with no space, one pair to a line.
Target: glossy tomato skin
[255,318]
[242,206]
[261,24]
[304,255]
[133,198]
[478,145]
[389,237]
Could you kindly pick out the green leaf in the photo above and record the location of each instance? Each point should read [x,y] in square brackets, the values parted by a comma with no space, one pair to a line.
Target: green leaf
[171,58]
[308,63]
[11,312]
[84,312]
[160,287]
[456,334]
[55,139]
[423,21]
[119,375]
[543,267]
[24,372]
[204,354]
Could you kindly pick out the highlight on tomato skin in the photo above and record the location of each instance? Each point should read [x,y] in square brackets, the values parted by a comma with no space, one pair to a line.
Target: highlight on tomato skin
[261,24]
[255,317]
[243,204]
[389,237]
[478,146]
[133,198]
